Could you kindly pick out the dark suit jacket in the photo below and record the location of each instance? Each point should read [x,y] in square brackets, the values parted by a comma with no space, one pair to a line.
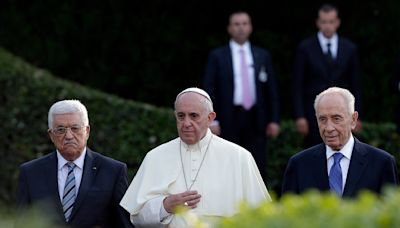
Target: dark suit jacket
[370,169]
[313,74]
[219,83]
[104,182]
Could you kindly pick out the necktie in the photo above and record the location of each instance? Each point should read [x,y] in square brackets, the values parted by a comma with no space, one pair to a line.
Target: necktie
[247,97]
[335,175]
[69,192]
[329,53]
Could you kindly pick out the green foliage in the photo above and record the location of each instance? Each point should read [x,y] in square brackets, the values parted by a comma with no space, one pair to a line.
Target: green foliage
[314,209]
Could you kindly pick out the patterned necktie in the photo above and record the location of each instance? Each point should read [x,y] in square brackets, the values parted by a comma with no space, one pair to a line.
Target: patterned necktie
[247,97]
[335,175]
[69,192]
[329,53]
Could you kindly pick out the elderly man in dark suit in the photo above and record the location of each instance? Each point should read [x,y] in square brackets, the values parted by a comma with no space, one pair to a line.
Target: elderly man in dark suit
[322,61]
[342,163]
[240,79]
[73,186]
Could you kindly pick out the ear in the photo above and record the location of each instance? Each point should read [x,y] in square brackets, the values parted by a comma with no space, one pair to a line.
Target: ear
[354,119]
[228,29]
[51,136]
[211,117]
[87,129]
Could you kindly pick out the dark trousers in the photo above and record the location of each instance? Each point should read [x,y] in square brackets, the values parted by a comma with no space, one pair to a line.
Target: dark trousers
[246,133]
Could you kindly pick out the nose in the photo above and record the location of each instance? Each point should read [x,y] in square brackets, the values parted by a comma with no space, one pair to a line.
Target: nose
[68,133]
[187,122]
[330,126]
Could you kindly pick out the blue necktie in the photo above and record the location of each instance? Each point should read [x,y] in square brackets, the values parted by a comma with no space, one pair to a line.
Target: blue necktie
[335,175]
[69,192]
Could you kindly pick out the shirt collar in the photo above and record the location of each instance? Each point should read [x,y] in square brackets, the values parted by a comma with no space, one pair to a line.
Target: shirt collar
[235,47]
[78,162]
[347,149]
[201,144]
[323,40]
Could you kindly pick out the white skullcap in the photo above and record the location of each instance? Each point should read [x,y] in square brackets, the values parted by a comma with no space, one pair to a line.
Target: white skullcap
[195,90]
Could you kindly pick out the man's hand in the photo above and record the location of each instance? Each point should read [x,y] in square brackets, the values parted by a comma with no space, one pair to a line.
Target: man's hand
[302,126]
[216,129]
[272,130]
[358,127]
[189,199]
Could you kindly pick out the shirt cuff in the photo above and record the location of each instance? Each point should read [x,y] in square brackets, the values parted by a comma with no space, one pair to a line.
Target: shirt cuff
[163,213]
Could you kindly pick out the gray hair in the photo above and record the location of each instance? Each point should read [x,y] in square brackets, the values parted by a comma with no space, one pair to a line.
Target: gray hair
[346,94]
[66,107]
[206,101]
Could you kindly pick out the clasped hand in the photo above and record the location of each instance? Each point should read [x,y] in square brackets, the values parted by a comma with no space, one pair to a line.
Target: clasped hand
[189,199]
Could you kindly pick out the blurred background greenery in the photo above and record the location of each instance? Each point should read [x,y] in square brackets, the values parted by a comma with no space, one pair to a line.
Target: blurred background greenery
[140,49]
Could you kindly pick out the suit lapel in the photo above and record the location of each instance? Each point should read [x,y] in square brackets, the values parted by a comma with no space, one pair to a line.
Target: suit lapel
[228,65]
[357,166]
[341,51]
[88,176]
[319,167]
[50,170]
[321,59]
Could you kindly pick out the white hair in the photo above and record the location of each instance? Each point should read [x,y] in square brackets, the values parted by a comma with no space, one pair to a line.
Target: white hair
[66,107]
[208,104]
[346,94]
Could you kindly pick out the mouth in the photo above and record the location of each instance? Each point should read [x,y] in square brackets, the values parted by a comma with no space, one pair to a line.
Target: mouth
[70,144]
[330,137]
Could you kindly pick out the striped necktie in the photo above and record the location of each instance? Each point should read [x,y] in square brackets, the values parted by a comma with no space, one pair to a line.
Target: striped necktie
[69,192]
[335,175]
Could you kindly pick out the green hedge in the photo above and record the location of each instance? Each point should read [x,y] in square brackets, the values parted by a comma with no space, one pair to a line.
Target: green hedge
[122,129]
[321,210]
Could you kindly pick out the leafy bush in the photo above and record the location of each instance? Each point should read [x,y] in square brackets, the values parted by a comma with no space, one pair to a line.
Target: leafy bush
[122,129]
[321,210]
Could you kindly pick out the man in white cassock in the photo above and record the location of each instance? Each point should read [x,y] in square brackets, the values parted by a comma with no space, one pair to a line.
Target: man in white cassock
[198,170]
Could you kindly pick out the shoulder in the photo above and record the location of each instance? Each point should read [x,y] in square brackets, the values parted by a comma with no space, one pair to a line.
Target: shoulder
[220,50]
[105,160]
[167,150]
[38,162]
[372,151]
[308,154]
[259,50]
[347,43]
[229,149]
[309,41]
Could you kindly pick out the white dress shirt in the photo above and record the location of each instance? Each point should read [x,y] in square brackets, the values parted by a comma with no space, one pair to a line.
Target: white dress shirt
[62,171]
[237,75]
[347,150]
[334,41]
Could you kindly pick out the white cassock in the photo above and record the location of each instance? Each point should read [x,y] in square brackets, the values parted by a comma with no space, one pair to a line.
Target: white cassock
[227,176]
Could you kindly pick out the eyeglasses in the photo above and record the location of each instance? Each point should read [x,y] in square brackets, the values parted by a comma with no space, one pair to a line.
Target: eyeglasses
[63,130]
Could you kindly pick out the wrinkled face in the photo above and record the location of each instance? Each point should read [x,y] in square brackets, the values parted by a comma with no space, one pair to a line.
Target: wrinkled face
[328,23]
[192,118]
[240,27]
[334,121]
[70,144]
